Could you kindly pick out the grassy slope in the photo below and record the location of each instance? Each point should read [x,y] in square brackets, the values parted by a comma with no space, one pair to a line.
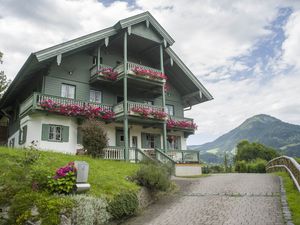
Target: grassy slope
[107,178]
[293,197]
[298,160]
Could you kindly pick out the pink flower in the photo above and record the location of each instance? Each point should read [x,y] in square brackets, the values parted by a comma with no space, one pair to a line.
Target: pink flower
[86,110]
[181,124]
[148,72]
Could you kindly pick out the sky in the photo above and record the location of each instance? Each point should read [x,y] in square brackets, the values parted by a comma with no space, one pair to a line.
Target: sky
[246,53]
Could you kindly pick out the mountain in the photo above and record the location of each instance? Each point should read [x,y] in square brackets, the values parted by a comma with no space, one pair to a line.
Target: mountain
[262,128]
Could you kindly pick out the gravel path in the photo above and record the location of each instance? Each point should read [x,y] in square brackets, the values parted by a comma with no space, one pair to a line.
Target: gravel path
[218,199]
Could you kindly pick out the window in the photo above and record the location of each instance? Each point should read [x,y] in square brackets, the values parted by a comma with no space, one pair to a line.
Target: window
[95,96]
[55,133]
[149,102]
[150,140]
[170,110]
[67,91]
[174,142]
[22,135]
[120,99]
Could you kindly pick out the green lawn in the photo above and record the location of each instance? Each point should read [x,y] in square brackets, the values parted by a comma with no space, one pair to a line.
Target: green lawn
[293,197]
[298,160]
[107,178]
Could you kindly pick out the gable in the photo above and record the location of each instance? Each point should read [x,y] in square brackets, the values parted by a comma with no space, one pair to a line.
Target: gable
[142,30]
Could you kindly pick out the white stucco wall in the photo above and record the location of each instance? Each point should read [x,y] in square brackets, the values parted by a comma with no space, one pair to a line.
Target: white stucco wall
[34,133]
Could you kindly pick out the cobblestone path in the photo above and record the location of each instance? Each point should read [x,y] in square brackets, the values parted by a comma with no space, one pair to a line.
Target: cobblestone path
[218,199]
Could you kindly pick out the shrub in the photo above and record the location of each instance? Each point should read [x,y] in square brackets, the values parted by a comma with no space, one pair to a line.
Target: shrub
[94,139]
[39,178]
[123,205]
[256,166]
[154,177]
[64,180]
[89,210]
[241,166]
[20,208]
[34,206]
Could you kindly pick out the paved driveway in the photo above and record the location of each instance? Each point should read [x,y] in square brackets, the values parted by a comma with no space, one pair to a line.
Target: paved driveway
[218,199]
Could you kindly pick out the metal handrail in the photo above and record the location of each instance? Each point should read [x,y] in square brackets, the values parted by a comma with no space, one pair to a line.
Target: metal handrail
[287,163]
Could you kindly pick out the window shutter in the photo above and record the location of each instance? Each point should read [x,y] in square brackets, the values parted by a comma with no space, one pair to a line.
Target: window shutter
[20,136]
[65,133]
[45,132]
[79,135]
[157,141]
[144,140]
[24,134]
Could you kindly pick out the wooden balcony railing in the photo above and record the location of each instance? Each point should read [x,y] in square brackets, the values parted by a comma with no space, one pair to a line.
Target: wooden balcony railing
[181,123]
[118,153]
[119,108]
[94,70]
[288,164]
[34,101]
[130,70]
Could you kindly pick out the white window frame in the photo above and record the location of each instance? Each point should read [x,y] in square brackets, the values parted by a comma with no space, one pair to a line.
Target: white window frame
[168,107]
[66,91]
[93,97]
[56,136]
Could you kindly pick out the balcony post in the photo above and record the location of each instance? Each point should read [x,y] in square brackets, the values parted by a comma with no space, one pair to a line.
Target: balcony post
[163,99]
[126,152]
[98,57]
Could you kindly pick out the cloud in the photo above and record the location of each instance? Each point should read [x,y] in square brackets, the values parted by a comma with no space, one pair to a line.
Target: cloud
[216,39]
[291,47]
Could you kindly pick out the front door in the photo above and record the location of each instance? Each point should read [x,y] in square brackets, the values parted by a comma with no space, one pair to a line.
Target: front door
[134,141]
[120,138]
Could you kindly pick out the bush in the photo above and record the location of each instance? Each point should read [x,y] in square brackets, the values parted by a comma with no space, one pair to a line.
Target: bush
[241,166]
[256,166]
[94,139]
[64,180]
[34,206]
[39,178]
[123,205]
[155,177]
[90,210]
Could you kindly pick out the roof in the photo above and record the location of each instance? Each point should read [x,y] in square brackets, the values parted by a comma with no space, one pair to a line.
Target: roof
[37,59]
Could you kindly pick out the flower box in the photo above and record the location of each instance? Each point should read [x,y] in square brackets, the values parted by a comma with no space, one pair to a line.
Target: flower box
[149,74]
[85,110]
[183,124]
[148,113]
[108,73]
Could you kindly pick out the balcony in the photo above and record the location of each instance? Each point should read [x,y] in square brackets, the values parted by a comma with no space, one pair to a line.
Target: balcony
[182,124]
[143,79]
[66,106]
[141,112]
[142,73]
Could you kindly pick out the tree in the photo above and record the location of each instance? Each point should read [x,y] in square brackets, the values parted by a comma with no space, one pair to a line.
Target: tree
[4,82]
[225,163]
[94,138]
[251,151]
